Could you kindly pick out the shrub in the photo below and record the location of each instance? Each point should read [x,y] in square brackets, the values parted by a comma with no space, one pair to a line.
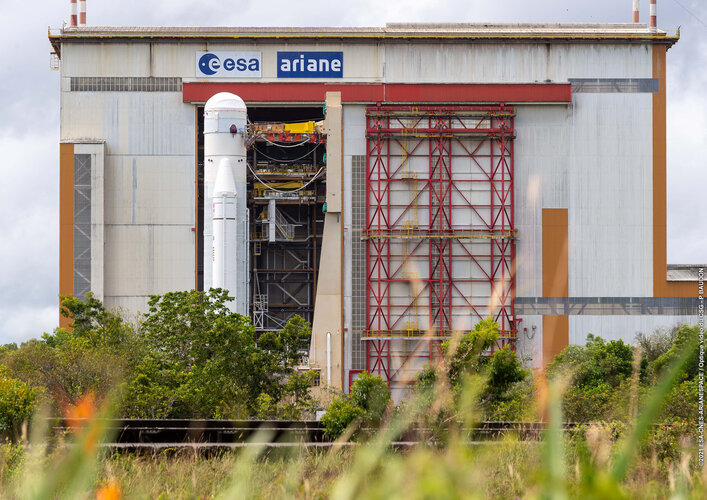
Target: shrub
[371,394]
[656,344]
[467,359]
[11,460]
[516,404]
[681,402]
[366,403]
[203,361]
[665,441]
[587,403]
[17,402]
[684,337]
[598,362]
[505,370]
[340,414]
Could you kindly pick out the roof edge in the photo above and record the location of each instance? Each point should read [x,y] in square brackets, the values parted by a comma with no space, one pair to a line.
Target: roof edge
[578,32]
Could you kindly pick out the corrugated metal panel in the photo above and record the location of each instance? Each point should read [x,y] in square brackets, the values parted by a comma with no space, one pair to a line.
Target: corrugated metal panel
[136,123]
[149,190]
[508,63]
[541,152]
[130,306]
[610,196]
[106,59]
[409,63]
[148,259]
[621,327]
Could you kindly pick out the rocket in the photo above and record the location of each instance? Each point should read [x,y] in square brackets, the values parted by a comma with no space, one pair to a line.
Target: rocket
[224,228]
[225,220]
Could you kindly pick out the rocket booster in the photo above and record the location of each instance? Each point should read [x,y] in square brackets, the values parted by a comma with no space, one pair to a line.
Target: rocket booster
[224,228]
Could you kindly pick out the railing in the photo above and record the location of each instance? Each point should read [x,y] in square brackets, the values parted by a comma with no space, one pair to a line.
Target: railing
[416,232]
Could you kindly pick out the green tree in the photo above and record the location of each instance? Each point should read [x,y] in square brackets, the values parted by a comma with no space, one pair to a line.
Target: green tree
[597,362]
[90,321]
[600,372]
[201,360]
[682,402]
[505,369]
[365,405]
[92,355]
[468,356]
[505,395]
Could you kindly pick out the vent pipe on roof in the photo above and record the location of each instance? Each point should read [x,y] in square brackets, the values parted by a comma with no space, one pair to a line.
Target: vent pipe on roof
[635,11]
[73,19]
[82,12]
[654,15]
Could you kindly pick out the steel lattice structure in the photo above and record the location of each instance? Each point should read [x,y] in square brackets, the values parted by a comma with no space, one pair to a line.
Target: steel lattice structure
[440,235]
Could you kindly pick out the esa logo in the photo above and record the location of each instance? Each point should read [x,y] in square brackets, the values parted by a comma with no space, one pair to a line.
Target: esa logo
[222,64]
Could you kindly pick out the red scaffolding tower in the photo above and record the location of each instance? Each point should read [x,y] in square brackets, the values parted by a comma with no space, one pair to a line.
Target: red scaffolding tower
[440,235]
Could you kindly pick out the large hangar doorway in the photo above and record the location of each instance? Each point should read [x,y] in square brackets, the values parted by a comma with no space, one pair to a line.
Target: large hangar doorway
[286,194]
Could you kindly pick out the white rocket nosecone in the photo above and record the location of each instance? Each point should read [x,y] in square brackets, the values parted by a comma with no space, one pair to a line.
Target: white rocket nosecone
[225,118]
[224,228]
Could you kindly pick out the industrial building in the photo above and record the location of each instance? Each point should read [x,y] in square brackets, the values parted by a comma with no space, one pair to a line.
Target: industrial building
[398,183]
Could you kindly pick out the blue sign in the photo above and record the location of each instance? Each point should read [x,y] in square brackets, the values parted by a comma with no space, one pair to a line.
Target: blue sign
[223,64]
[310,64]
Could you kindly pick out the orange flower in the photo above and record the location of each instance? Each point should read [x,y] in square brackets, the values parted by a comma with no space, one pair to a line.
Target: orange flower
[82,416]
[110,491]
[77,415]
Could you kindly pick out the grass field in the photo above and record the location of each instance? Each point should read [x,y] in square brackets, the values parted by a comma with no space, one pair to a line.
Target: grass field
[626,458]
[507,469]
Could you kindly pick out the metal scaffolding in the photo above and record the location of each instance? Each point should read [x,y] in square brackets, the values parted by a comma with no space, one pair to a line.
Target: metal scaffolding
[439,234]
[285,198]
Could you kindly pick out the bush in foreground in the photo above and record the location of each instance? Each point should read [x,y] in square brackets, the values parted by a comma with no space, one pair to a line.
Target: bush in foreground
[364,406]
[17,403]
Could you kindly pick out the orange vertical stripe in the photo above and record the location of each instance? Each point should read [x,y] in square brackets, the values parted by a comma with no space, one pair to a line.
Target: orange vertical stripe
[555,264]
[555,336]
[661,286]
[66,223]
[660,208]
[555,258]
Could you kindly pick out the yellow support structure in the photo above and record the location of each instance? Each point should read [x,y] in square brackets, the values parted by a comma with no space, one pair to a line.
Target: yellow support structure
[300,128]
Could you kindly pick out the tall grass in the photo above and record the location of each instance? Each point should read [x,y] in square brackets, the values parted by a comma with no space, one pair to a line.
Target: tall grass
[593,464]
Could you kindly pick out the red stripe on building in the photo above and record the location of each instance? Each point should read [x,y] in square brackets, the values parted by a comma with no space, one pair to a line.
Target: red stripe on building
[383,92]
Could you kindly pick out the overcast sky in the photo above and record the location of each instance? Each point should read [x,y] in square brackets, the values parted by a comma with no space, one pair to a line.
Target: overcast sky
[29,100]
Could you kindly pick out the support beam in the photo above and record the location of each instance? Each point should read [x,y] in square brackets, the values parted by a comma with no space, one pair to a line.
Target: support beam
[328,310]
[384,92]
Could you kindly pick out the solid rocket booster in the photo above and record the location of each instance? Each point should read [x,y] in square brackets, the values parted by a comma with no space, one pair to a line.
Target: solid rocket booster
[224,228]
[225,117]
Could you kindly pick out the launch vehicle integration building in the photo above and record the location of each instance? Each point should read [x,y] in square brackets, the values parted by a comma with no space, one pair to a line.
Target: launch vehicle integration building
[435,174]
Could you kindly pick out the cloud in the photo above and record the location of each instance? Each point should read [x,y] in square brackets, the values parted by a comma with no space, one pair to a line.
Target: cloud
[26,322]
[687,175]
[29,204]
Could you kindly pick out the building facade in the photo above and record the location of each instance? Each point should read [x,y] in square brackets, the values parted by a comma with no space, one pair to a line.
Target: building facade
[463,171]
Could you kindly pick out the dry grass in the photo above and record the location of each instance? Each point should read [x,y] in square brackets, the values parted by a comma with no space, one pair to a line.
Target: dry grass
[590,465]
